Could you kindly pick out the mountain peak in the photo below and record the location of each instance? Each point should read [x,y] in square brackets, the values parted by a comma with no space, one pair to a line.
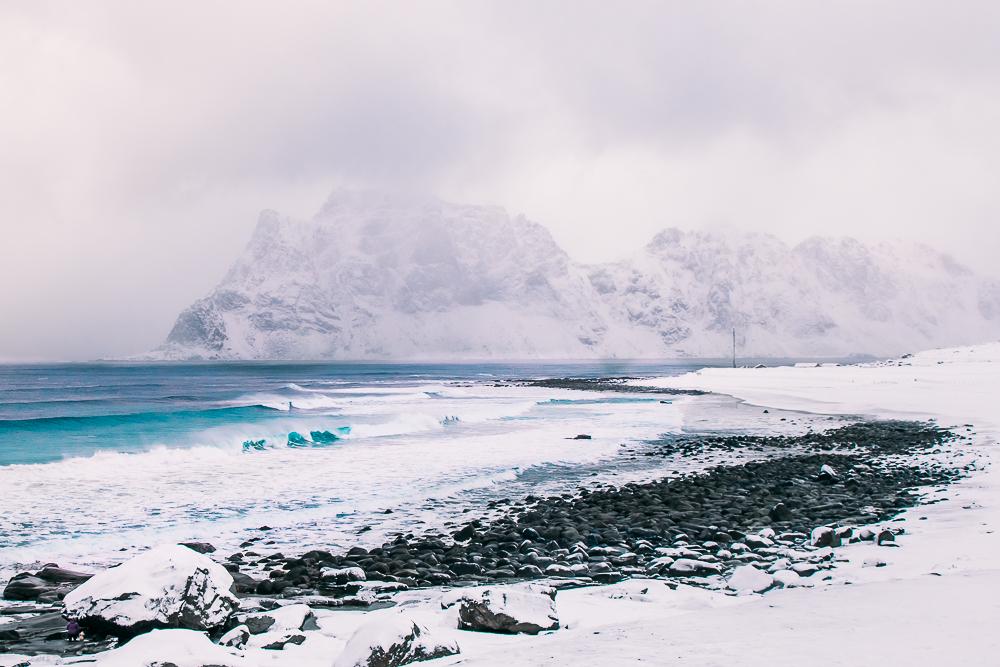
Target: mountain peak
[389,275]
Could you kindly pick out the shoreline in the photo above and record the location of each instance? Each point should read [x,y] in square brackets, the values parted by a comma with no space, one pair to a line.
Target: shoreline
[946,551]
[667,530]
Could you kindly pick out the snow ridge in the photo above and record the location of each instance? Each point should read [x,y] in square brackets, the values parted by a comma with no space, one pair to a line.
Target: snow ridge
[386,276]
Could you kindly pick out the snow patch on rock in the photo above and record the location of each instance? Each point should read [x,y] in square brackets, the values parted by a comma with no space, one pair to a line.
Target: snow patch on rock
[170,586]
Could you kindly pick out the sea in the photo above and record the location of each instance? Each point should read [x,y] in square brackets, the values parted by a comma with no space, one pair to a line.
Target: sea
[102,460]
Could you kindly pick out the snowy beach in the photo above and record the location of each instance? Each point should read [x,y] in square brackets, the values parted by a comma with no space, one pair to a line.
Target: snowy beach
[941,553]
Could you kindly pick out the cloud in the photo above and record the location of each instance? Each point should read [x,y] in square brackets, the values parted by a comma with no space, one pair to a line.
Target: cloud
[140,140]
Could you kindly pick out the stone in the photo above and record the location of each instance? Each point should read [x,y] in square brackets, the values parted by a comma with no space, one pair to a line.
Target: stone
[181,648]
[167,587]
[235,638]
[342,575]
[50,584]
[506,610]
[394,640]
[200,547]
[747,578]
[688,567]
[824,536]
[787,578]
[827,474]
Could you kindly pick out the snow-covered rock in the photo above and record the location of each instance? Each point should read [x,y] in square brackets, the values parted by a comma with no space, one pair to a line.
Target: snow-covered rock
[747,578]
[824,536]
[170,586]
[180,648]
[287,618]
[376,276]
[342,575]
[505,609]
[235,638]
[690,566]
[394,639]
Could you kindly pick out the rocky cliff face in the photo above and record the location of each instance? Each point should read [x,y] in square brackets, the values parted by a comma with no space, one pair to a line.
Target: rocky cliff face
[375,276]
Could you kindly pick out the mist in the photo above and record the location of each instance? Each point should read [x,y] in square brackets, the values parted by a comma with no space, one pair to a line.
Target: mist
[140,141]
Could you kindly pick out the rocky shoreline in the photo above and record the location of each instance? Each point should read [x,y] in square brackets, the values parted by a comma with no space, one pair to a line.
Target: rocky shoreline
[765,523]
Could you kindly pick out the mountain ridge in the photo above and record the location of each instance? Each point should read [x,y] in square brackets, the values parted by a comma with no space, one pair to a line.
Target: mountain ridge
[374,276]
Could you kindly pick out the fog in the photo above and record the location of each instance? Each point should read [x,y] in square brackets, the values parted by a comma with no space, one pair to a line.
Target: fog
[140,140]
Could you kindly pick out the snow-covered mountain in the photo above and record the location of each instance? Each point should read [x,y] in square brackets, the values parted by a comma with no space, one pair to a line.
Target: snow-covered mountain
[378,276]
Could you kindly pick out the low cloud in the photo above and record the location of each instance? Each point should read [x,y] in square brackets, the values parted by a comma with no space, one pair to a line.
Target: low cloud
[140,141]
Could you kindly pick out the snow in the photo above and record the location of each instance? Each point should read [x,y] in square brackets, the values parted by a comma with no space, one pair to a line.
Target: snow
[527,609]
[380,276]
[167,585]
[183,648]
[288,618]
[747,578]
[394,635]
[931,602]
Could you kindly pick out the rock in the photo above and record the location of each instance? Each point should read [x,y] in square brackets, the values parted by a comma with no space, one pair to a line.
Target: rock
[885,537]
[582,436]
[281,642]
[244,583]
[235,638]
[780,513]
[757,542]
[804,569]
[258,624]
[827,474]
[200,547]
[824,536]
[49,584]
[180,648]
[558,570]
[787,578]
[167,587]
[505,609]
[289,618]
[747,578]
[391,641]
[342,575]
[688,566]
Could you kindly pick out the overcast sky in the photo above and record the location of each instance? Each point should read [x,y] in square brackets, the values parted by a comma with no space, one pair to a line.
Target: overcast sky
[138,141]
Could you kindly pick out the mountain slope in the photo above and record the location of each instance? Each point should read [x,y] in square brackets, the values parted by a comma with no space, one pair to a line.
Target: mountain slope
[376,276]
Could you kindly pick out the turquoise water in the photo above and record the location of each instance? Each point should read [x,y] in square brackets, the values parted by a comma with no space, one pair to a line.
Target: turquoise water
[54,411]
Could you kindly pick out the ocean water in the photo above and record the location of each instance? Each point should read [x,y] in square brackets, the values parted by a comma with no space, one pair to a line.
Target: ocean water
[100,460]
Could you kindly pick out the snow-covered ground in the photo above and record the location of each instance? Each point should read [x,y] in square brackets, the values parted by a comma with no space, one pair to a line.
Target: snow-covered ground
[933,602]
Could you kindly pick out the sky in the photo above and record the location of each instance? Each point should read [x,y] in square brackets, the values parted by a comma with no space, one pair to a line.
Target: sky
[139,141]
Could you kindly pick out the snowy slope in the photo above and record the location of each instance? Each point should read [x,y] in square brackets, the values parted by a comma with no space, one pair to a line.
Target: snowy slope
[378,276]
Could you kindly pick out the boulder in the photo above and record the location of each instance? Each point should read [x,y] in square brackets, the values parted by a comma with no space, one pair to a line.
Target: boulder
[506,610]
[689,566]
[200,547]
[342,575]
[757,542]
[748,579]
[170,586]
[395,639]
[49,584]
[827,474]
[235,638]
[824,536]
[788,579]
[180,648]
[289,618]
[804,569]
